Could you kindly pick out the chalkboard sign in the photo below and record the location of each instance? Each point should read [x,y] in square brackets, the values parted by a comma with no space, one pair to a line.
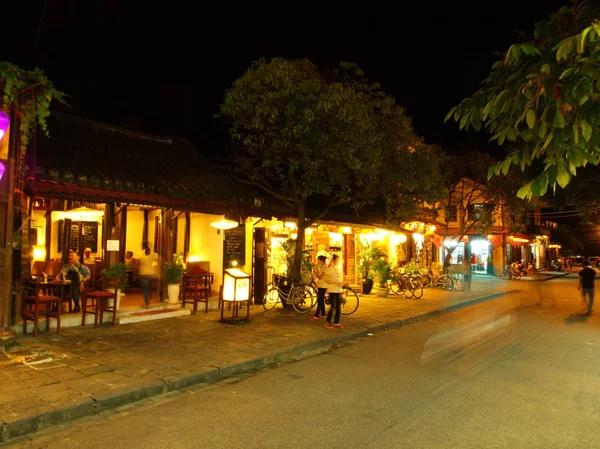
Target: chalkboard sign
[89,236]
[234,245]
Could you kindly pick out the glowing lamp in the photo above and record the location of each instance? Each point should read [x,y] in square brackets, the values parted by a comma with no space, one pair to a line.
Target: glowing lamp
[236,288]
[2,168]
[224,224]
[236,285]
[401,238]
[83,214]
[4,124]
[39,253]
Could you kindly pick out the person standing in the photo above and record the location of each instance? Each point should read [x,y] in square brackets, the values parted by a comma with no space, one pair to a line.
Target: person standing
[321,288]
[586,285]
[335,282]
[77,274]
[466,273]
[147,273]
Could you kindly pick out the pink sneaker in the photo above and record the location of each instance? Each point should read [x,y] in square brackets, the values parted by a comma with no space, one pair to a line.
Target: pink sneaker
[313,318]
[329,326]
[338,326]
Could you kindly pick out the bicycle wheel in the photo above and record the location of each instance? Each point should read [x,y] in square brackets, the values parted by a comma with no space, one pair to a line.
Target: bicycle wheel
[313,292]
[349,301]
[425,280]
[418,288]
[448,282]
[301,299]
[395,287]
[408,288]
[271,298]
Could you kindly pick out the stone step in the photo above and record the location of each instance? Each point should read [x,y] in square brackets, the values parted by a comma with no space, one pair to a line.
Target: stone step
[152,314]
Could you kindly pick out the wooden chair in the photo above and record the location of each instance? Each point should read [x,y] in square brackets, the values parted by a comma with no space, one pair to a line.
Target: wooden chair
[38,269]
[194,291]
[33,301]
[93,283]
[98,301]
[53,268]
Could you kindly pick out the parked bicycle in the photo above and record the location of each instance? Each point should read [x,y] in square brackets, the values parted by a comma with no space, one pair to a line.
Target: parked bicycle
[285,291]
[445,280]
[408,285]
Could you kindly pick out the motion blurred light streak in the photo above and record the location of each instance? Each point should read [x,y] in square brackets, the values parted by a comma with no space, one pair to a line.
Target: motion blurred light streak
[468,344]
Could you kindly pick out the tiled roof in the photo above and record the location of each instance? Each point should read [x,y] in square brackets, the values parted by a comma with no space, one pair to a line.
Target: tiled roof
[89,161]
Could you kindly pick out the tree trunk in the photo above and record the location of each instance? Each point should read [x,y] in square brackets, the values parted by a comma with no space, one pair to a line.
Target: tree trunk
[295,270]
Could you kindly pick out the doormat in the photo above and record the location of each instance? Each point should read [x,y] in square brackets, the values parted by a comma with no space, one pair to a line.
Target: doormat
[154,312]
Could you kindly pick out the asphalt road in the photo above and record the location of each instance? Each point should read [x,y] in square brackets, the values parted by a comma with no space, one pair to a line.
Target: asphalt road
[516,372]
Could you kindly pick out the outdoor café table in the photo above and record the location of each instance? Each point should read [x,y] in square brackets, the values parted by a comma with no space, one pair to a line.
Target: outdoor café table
[60,288]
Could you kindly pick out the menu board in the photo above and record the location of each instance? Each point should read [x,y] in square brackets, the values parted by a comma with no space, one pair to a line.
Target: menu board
[89,236]
[234,245]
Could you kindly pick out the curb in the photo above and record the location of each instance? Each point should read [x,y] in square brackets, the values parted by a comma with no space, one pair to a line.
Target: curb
[154,388]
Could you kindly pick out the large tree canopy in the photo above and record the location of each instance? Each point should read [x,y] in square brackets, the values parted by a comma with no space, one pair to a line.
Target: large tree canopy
[318,140]
[543,95]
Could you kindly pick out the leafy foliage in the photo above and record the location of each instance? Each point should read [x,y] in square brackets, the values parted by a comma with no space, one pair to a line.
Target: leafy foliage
[173,272]
[369,255]
[383,271]
[316,140]
[117,270]
[30,92]
[543,95]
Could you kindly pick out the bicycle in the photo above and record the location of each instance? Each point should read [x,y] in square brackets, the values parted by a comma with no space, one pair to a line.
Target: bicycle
[407,284]
[444,280]
[299,296]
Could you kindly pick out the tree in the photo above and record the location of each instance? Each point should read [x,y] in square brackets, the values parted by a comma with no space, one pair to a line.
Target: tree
[472,201]
[315,141]
[544,96]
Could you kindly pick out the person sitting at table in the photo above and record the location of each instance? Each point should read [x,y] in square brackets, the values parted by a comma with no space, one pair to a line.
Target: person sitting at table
[77,274]
[87,257]
[129,260]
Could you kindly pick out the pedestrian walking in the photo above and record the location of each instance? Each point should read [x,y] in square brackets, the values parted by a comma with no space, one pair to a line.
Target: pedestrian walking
[147,273]
[335,281]
[321,288]
[466,272]
[586,285]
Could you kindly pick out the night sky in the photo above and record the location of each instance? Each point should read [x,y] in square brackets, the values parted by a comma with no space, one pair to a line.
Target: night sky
[164,67]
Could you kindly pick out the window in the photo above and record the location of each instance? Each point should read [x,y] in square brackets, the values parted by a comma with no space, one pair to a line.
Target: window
[451,213]
[475,210]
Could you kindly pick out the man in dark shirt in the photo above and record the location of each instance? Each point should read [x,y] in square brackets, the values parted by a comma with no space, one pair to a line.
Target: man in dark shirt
[586,285]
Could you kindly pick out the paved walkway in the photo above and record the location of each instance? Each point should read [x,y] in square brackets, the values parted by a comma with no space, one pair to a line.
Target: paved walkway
[54,378]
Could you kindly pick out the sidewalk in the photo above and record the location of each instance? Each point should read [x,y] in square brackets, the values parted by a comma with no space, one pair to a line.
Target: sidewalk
[54,378]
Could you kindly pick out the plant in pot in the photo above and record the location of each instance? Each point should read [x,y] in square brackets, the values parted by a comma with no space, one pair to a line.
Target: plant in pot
[173,273]
[383,274]
[368,256]
[117,270]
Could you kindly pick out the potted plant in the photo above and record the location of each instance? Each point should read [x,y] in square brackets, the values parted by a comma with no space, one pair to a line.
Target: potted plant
[117,270]
[173,273]
[368,256]
[383,274]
